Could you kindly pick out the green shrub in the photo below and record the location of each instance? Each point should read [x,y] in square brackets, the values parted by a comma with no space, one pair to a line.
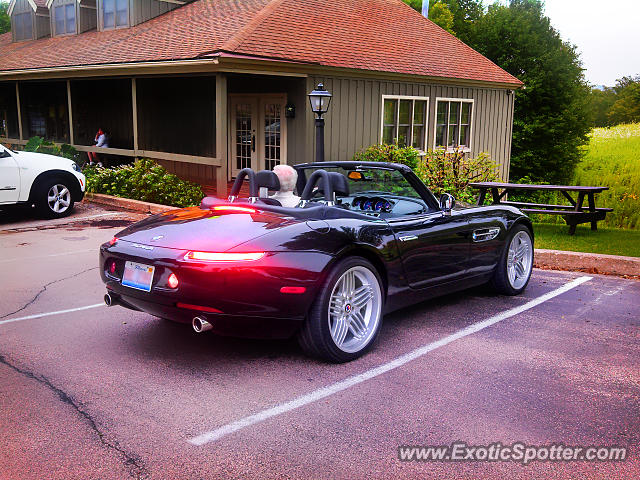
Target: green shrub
[40,145]
[389,153]
[143,180]
[442,172]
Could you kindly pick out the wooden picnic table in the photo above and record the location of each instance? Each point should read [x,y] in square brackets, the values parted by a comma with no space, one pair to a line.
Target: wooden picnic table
[573,214]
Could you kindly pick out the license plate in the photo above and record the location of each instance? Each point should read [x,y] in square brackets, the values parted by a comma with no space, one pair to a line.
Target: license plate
[138,276]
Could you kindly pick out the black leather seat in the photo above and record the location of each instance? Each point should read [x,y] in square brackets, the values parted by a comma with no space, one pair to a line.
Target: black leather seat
[268,180]
[339,185]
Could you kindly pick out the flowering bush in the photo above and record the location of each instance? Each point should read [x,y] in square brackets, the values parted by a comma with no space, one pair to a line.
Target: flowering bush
[452,172]
[143,180]
[442,172]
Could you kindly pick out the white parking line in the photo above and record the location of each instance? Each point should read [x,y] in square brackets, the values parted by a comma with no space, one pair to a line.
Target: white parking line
[329,390]
[40,315]
[22,259]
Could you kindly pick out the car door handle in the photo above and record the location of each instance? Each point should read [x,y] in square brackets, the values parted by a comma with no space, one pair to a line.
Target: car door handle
[408,238]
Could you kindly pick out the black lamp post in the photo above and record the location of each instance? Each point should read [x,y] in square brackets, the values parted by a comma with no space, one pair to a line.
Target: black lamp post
[320,100]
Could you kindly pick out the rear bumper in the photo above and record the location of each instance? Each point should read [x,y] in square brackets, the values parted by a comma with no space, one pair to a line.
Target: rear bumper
[223,324]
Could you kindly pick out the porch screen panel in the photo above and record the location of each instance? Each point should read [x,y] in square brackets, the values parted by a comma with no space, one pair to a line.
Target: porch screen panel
[177,115]
[103,104]
[8,111]
[244,135]
[45,110]
[272,125]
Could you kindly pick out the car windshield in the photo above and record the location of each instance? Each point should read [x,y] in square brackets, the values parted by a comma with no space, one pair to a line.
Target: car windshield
[373,180]
[8,149]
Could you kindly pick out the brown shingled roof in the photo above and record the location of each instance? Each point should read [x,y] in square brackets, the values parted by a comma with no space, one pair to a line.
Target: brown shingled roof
[378,35]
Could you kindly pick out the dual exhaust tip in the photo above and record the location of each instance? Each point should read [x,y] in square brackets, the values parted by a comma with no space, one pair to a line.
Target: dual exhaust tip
[199,324]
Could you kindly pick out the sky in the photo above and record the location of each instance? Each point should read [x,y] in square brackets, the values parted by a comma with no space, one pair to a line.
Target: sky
[607,34]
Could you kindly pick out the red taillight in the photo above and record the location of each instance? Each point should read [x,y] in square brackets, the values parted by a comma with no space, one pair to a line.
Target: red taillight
[112,267]
[172,281]
[224,256]
[113,240]
[294,290]
[232,209]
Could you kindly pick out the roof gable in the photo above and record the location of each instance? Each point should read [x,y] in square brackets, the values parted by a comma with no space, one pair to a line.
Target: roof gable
[34,4]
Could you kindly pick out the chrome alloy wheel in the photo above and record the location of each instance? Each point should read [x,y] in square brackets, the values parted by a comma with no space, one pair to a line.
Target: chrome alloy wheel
[59,198]
[355,308]
[519,260]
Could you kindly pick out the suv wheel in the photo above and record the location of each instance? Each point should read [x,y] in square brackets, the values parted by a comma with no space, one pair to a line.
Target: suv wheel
[54,199]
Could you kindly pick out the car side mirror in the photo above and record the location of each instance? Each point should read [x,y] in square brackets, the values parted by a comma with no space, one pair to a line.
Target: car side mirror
[4,153]
[447,202]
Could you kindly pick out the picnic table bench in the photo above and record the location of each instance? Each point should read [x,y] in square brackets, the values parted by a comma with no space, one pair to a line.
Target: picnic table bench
[573,214]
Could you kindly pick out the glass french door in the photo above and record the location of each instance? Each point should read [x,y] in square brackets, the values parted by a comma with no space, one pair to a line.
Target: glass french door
[257,133]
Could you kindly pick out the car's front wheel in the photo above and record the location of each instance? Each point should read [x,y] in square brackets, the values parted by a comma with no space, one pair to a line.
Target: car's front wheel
[345,318]
[513,271]
[54,198]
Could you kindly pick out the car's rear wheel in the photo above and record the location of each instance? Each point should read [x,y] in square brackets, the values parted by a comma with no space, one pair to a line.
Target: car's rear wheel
[345,318]
[513,271]
[54,198]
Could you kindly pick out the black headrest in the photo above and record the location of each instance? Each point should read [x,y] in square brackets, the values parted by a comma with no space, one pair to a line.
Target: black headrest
[251,176]
[339,184]
[267,179]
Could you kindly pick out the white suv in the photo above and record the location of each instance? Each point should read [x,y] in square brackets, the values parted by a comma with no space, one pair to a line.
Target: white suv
[53,184]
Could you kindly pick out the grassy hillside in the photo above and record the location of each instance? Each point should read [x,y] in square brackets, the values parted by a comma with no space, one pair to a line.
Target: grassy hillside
[613,159]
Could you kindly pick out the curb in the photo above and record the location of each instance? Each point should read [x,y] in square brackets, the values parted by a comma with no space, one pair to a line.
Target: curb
[126,203]
[587,262]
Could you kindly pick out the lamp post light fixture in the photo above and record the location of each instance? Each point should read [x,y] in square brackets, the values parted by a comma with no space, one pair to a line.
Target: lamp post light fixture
[320,100]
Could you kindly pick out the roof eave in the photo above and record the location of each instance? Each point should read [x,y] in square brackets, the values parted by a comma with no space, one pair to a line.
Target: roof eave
[228,61]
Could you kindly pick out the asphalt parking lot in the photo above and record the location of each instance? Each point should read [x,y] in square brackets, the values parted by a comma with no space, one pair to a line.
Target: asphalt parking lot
[97,392]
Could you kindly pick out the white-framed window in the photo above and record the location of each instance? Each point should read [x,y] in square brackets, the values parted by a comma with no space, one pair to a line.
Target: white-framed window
[115,14]
[404,120]
[453,123]
[65,18]
[23,24]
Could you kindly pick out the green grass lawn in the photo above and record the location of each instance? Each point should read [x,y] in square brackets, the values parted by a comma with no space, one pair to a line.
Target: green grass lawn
[611,241]
[613,159]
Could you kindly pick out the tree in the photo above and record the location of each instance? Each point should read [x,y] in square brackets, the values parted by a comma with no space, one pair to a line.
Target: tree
[601,101]
[439,13]
[552,117]
[5,20]
[465,13]
[455,16]
[626,108]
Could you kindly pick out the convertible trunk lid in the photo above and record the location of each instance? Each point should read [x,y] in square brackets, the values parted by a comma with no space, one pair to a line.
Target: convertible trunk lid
[203,229]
